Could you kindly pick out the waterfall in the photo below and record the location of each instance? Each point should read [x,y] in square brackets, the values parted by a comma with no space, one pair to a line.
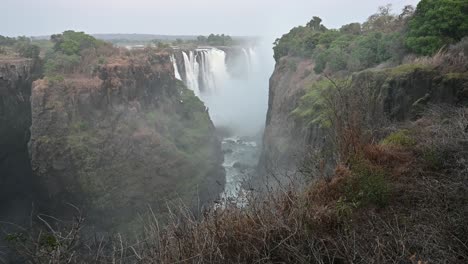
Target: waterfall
[205,70]
[247,58]
[176,70]
[213,70]
[191,71]
[253,59]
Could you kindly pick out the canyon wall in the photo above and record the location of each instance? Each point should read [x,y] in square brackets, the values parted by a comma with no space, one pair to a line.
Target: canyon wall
[404,90]
[128,138]
[16,182]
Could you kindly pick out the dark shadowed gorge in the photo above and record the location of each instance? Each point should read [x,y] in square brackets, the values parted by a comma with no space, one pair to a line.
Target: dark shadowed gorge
[134,148]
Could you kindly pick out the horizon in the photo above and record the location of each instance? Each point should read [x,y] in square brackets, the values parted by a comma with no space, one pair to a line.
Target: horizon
[262,18]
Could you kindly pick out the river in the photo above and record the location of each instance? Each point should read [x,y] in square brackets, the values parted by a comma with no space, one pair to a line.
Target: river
[240,160]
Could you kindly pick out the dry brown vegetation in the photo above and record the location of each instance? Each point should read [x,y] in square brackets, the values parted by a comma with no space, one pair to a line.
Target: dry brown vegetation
[450,59]
[400,201]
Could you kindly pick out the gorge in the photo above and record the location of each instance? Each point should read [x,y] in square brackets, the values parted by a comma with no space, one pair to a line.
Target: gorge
[132,116]
[331,145]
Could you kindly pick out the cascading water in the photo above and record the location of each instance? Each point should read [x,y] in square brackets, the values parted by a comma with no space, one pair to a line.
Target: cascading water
[213,71]
[176,70]
[237,102]
[247,60]
[191,71]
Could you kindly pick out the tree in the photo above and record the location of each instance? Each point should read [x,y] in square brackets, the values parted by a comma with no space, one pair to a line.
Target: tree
[71,42]
[24,47]
[437,23]
[353,28]
[316,24]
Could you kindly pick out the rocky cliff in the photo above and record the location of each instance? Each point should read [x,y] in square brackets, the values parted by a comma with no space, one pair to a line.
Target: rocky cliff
[404,91]
[130,137]
[284,139]
[16,186]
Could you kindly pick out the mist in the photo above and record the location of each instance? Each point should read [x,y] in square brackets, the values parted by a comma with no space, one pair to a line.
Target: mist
[241,103]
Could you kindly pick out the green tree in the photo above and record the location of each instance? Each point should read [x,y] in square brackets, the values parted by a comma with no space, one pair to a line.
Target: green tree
[71,42]
[353,29]
[437,23]
[316,24]
[26,49]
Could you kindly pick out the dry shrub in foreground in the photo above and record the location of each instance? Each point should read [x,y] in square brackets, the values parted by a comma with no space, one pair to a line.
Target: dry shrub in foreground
[390,204]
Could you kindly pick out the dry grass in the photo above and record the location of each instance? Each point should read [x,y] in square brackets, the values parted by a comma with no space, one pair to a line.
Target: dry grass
[451,59]
[425,218]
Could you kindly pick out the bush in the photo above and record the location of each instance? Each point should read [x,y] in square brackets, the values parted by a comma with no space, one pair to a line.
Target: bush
[368,184]
[400,138]
[437,23]
[349,48]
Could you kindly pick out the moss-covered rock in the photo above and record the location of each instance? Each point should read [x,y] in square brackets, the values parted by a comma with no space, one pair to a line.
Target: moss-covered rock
[132,138]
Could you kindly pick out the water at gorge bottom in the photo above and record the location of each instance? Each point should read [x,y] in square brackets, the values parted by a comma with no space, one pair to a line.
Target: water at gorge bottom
[240,159]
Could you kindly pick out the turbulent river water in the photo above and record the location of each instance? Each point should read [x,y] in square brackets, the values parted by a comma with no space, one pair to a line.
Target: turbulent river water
[240,159]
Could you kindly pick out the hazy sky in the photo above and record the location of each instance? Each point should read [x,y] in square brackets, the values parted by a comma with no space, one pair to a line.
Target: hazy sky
[180,17]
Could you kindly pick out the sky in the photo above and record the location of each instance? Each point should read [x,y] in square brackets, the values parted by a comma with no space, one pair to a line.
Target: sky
[270,18]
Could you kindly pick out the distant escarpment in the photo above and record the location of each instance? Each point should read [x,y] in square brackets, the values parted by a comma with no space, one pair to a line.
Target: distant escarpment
[127,138]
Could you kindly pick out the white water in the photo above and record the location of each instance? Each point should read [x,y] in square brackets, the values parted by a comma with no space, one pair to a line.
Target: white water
[240,159]
[247,60]
[237,102]
[213,71]
[176,70]
[191,72]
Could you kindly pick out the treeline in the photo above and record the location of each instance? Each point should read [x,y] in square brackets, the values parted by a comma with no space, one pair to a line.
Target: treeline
[383,37]
[75,52]
[21,45]
[211,40]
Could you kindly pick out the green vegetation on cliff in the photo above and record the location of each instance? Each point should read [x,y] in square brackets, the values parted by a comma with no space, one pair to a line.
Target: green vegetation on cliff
[75,52]
[437,23]
[353,47]
[21,45]
[384,37]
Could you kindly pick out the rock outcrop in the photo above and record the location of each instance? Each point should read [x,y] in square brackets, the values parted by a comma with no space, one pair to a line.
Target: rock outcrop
[130,137]
[16,185]
[404,91]
[285,139]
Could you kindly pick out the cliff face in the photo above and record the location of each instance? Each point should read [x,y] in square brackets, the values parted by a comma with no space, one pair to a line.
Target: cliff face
[16,76]
[404,91]
[285,139]
[130,137]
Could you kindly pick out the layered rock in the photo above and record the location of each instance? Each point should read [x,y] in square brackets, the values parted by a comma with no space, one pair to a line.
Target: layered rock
[404,92]
[284,140]
[130,137]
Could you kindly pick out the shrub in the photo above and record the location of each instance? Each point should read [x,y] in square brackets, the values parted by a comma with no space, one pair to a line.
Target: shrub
[368,184]
[437,23]
[400,138]
[433,158]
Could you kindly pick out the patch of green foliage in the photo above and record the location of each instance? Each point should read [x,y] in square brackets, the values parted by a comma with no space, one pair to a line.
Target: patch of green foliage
[313,108]
[83,143]
[383,37]
[456,75]
[437,23]
[400,138]
[54,78]
[72,43]
[408,68]
[350,48]
[22,45]
[215,40]
[367,185]
[433,158]
[68,50]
